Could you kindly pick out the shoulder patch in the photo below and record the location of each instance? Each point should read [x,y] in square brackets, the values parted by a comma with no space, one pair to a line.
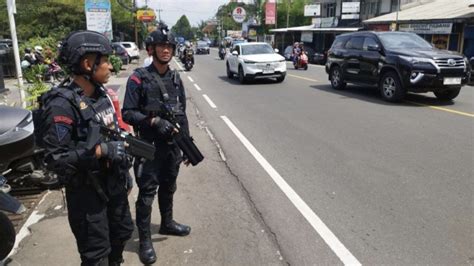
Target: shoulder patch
[62,119]
[135,79]
[61,131]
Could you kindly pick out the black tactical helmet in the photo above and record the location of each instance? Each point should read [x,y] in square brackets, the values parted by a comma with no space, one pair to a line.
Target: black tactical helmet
[80,43]
[160,36]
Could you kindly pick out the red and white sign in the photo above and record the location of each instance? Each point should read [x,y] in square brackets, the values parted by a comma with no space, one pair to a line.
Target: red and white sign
[270,13]
[239,14]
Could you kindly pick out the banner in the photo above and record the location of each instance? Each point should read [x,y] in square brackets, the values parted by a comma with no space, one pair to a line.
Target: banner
[270,13]
[239,14]
[147,15]
[99,17]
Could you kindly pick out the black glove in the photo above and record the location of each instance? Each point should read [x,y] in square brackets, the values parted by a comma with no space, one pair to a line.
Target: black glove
[163,126]
[113,150]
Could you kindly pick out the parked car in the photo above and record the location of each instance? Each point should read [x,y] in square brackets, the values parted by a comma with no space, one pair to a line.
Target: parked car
[255,60]
[202,47]
[121,52]
[132,50]
[397,62]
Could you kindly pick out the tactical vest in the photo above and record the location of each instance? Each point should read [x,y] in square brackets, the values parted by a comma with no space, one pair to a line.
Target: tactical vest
[172,94]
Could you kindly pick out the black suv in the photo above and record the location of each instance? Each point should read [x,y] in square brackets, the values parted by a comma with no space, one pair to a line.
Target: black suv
[396,62]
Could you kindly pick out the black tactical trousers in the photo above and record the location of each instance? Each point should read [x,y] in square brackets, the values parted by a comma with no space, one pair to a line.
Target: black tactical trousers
[161,174]
[101,229]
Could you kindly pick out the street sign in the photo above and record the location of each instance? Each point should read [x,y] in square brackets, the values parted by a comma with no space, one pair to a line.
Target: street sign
[312,10]
[99,16]
[239,14]
[147,15]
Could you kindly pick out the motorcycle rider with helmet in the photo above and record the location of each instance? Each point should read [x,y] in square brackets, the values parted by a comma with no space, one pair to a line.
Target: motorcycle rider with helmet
[93,171]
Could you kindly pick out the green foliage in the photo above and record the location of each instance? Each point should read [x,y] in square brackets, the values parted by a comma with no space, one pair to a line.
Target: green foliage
[33,91]
[183,28]
[35,73]
[47,43]
[116,63]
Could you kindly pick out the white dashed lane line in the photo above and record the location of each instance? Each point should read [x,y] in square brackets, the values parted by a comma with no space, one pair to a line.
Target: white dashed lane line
[197,87]
[209,101]
[190,79]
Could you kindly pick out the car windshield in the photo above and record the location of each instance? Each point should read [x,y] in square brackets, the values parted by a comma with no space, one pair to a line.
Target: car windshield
[202,44]
[126,45]
[403,41]
[257,49]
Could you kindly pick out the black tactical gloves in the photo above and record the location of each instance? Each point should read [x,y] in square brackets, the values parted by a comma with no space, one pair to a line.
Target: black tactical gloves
[113,150]
[163,126]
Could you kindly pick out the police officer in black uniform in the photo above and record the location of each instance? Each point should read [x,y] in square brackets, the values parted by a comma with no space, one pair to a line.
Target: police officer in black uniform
[161,173]
[93,171]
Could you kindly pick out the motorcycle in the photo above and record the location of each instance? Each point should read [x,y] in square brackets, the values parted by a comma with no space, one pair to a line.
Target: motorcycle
[21,160]
[7,230]
[301,61]
[188,59]
[54,73]
[222,52]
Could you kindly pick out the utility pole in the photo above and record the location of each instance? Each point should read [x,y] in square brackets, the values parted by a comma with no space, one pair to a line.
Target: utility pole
[135,22]
[159,13]
[287,12]
[396,19]
[11,7]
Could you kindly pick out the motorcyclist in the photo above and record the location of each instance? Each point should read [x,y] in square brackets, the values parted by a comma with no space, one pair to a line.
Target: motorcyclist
[187,48]
[94,169]
[296,52]
[28,59]
[39,54]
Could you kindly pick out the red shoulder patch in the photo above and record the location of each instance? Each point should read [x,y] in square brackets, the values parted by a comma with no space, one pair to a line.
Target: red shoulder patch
[62,119]
[136,79]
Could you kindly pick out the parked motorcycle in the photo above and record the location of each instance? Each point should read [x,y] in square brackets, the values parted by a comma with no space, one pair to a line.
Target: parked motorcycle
[21,160]
[7,230]
[301,61]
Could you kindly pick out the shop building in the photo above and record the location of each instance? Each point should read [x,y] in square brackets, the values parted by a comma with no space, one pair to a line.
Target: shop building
[447,24]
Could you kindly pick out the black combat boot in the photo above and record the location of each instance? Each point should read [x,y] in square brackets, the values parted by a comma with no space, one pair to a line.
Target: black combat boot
[146,252]
[170,227]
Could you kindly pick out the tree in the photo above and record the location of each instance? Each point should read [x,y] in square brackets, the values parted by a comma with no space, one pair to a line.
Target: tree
[183,28]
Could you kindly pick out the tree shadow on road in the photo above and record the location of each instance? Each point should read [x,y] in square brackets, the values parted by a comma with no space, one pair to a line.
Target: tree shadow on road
[372,95]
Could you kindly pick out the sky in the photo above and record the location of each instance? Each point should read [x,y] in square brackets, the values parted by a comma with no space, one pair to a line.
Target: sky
[195,10]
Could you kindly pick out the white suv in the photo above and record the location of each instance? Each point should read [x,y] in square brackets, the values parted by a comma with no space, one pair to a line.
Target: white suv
[132,50]
[255,60]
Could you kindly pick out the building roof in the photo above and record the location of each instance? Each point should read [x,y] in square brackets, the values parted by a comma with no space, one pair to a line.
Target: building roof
[312,28]
[437,10]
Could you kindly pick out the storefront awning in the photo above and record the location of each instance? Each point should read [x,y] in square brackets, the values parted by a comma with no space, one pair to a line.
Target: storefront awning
[437,10]
[312,28]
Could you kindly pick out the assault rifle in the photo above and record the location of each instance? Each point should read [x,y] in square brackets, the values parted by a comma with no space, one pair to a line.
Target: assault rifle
[183,140]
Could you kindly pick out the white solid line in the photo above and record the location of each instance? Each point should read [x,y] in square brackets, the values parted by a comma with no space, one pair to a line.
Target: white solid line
[331,240]
[209,101]
[197,87]
[179,66]
[190,79]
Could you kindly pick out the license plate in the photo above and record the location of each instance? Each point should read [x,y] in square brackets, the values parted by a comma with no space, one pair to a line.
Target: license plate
[268,70]
[452,81]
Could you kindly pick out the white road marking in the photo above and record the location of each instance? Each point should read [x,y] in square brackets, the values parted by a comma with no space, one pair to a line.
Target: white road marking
[190,79]
[179,66]
[331,240]
[209,101]
[197,87]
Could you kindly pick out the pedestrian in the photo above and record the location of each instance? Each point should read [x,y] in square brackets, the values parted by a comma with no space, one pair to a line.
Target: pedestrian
[149,60]
[93,171]
[161,173]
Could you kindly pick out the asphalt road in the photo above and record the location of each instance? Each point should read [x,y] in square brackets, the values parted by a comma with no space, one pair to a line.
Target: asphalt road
[342,176]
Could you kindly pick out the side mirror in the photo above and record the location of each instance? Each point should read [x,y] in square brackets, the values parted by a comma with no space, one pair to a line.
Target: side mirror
[373,47]
[235,53]
[276,50]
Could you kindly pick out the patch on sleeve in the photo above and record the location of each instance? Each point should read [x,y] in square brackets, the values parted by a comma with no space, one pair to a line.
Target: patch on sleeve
[136,79]
[61,131]
[62,119]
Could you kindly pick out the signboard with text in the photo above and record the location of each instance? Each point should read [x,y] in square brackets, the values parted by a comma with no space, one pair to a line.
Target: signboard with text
[239,14]
[270,13]
[146,15]
[427,28]
[312,10]
[98,16]
[350,7]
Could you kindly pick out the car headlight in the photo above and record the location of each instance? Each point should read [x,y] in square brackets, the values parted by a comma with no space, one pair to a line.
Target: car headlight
[417,60]
[249,62]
